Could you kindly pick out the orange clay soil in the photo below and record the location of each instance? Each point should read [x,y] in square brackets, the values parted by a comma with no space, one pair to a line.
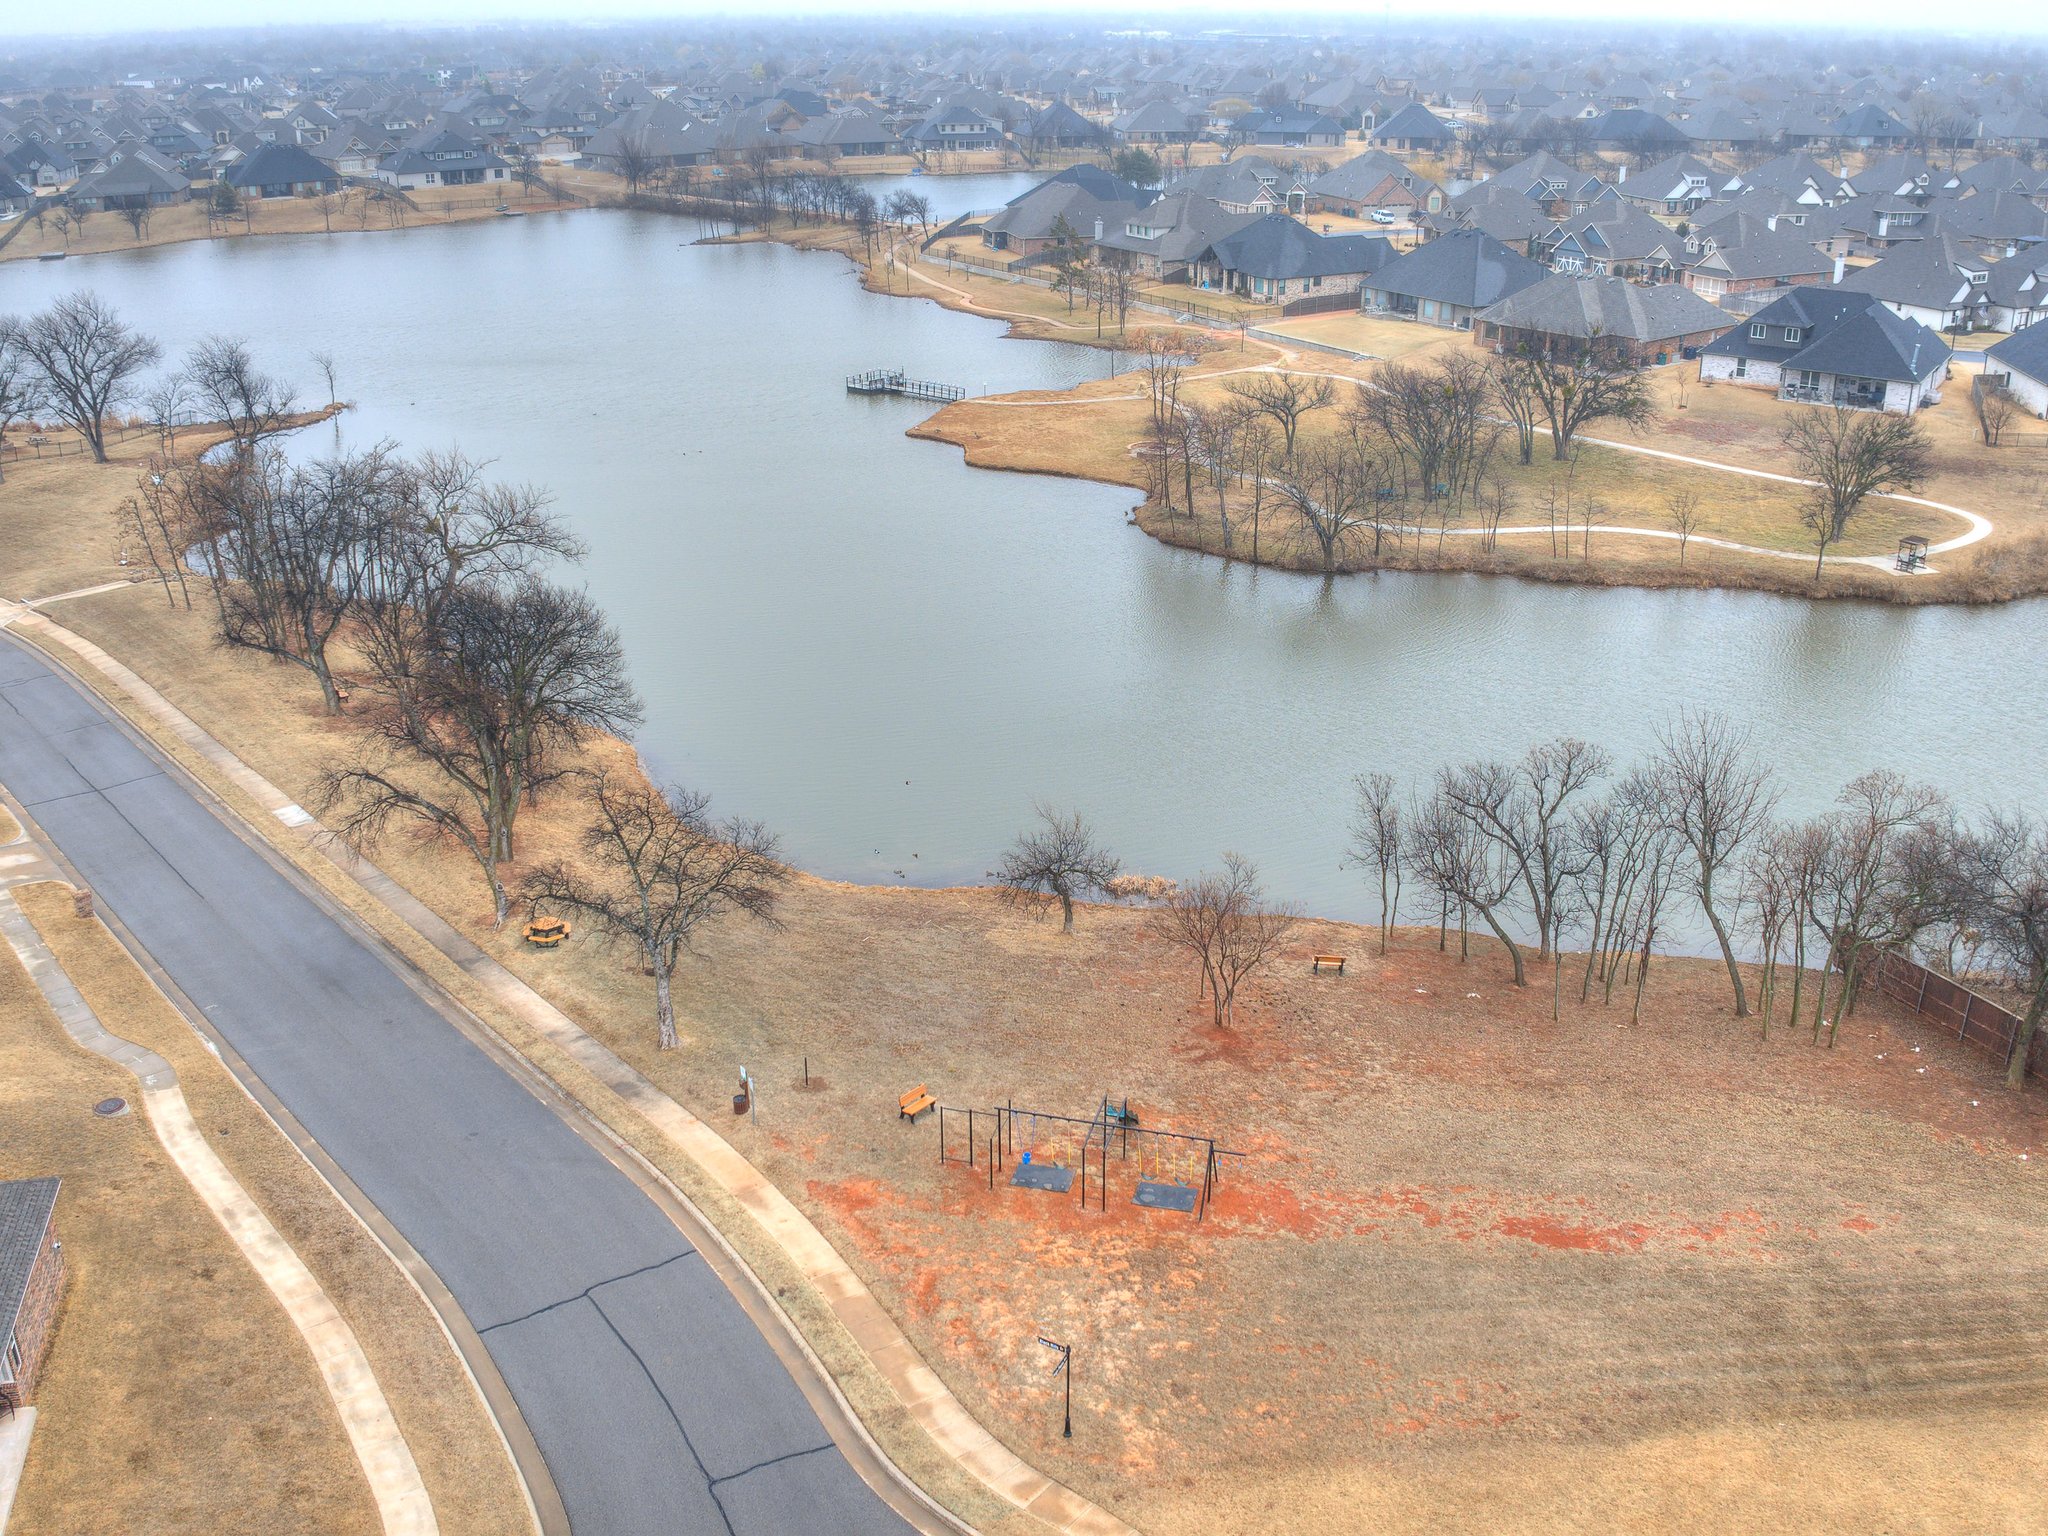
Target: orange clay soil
[1475,1266]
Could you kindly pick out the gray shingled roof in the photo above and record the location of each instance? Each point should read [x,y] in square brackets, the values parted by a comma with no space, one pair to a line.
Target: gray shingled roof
[1279,247]
[1465,267]
[25,1206]
[1838,332]
[2024,352]
[1607,306]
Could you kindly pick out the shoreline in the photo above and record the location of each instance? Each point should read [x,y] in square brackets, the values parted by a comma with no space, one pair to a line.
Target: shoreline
[1782,573]
[1998,570]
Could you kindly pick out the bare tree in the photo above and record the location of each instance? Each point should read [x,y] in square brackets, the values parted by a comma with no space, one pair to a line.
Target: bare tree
[86,361]
[250,403]
[1069,257]
[1683,504]
[168,403]
[1578,382]
[1996,405]
[1620,862]
[1286,398]
[1329,490]
[1850,456]
[1453,857]
[1525,809]
[282,542]
[1867,897]
[1717,796]
[1496,503]
[2005,878]
[1255,447]
[451,530]
[324,361]
[158,518]
[1059,860]
[1225,922]
[1376,845]
[1165,356]
[18,391]
[635,159]
[1434,414]
[656,871]
[1213,441]
[1514,386]
[1119,286]
[136,215]
[512,678]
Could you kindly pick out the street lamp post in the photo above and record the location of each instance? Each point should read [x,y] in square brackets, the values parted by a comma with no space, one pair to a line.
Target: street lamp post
[1066,1361]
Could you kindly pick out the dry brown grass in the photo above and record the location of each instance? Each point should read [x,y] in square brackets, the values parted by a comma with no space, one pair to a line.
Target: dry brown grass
[57,528]
[181,222]
[461,1457]
[1723,423]
[177,1397]
[1462,1276]
[263,715]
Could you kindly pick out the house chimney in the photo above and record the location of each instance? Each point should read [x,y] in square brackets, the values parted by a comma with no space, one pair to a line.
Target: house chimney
[1841,266]
[1622,177]
[1098,229]
[1771,222]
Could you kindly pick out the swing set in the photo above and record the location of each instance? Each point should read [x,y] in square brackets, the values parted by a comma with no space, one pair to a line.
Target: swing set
[1039,1150]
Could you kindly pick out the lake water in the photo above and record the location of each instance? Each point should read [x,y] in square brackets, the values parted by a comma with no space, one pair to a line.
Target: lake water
[886,655]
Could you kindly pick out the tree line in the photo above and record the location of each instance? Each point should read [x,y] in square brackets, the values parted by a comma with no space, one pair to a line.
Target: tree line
[1419,450]
[1556,853]
[476,678]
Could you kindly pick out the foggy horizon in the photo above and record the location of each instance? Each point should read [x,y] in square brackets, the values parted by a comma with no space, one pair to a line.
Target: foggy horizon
[118,18]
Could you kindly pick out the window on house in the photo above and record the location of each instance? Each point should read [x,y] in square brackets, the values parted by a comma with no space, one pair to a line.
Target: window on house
[1793,333]
[1742,368]
[1759,332]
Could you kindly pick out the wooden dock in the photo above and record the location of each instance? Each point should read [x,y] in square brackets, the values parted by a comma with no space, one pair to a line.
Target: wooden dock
[893,381]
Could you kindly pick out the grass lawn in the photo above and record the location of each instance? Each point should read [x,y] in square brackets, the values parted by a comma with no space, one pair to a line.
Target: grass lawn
[460,1455]
[176,1397]
[1476,1268]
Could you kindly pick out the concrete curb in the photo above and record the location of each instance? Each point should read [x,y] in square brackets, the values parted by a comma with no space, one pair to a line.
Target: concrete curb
[928,1401]
[380,1448]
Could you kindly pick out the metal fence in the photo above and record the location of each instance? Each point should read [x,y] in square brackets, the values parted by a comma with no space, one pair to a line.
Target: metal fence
[1942,1000]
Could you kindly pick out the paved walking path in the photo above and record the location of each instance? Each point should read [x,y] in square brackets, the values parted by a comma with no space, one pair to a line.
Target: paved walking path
[927,1399]
[373,1432]
[1977,526]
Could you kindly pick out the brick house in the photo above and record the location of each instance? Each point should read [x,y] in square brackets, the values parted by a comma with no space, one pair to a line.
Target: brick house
[31,1283]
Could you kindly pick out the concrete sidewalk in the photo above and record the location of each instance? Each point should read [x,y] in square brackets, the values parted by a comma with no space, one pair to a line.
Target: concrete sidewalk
[380,1447]
[929,1402]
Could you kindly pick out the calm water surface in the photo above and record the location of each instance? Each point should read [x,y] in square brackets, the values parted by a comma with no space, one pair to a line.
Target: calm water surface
[886,655]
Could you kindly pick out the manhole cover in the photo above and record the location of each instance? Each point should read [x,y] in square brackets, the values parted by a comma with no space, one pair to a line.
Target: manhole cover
[111,1107]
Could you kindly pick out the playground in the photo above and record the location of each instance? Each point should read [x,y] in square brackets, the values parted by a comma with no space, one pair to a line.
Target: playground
[1453,1260]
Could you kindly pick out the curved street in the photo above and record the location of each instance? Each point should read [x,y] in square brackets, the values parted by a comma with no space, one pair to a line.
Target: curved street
[656,1403]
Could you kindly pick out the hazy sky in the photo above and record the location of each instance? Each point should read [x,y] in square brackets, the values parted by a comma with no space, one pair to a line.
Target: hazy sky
[1992,17]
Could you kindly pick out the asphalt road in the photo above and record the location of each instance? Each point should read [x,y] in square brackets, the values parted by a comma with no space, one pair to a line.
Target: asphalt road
[656,1403]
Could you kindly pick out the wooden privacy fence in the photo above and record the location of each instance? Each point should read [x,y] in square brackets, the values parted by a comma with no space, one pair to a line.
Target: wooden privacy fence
[1976,1020]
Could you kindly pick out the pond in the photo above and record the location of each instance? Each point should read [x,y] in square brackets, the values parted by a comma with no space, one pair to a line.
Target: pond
[887,656]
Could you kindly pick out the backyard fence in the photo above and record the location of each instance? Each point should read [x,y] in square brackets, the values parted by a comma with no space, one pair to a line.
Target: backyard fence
[63,442]
[1320,304]
[1941,1000]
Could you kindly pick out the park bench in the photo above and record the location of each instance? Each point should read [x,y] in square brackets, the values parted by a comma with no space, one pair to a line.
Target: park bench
[914,1103]
[1323,963]
[546,932]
